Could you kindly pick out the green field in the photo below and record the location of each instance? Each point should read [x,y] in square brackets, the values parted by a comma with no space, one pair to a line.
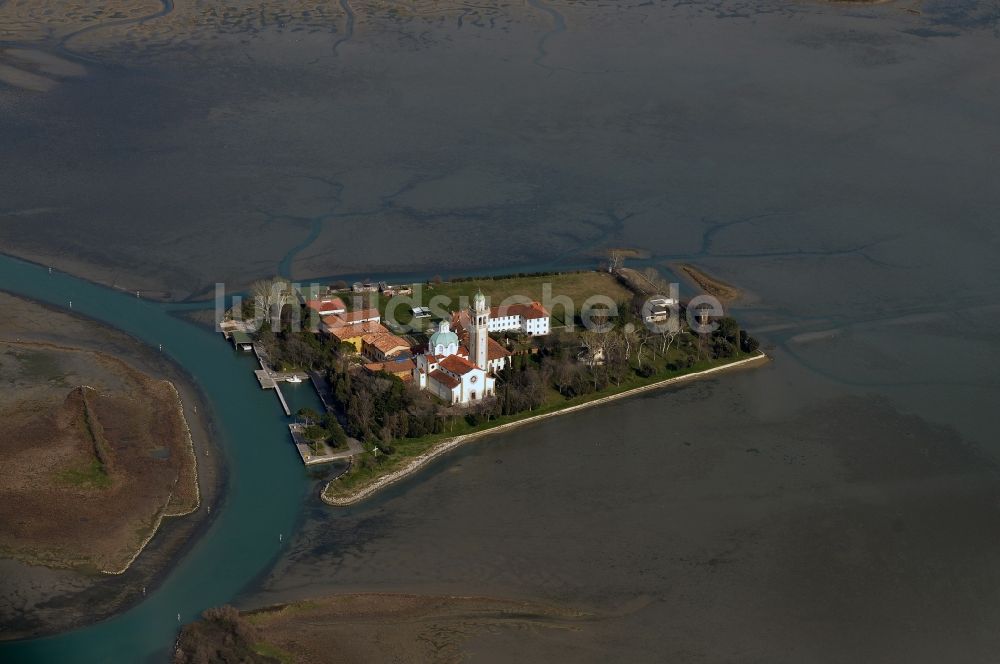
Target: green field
[454,295]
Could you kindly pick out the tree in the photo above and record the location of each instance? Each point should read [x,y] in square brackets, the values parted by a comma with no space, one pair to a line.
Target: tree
[595,343]
[308,415]
[269,296]
[629,338]
[747,343]
[728,329]
[616,259]
[644,336]
[616,362]
[337,437]
[564,374]
[314,432]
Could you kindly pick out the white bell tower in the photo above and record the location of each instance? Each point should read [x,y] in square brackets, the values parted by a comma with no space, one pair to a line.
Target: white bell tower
[479,335]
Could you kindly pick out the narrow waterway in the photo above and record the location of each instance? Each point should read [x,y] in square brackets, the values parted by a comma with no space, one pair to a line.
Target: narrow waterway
[267,483]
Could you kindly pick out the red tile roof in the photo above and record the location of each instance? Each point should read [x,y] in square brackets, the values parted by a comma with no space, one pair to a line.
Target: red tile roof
[457,365]
[342,332]
[327,304]
[494,350]
[354,317]
[386,342]
[445,379]
[526,311]
[392,366]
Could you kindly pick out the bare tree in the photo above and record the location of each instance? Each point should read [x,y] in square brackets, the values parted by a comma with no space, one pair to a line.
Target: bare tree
[616,260]
[667,338]
[630,338]
[643,337]
[564,374]
[269,297]
[595,343]
[616,364]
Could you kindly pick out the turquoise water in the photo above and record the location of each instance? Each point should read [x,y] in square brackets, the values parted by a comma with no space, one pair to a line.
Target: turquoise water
[266,481]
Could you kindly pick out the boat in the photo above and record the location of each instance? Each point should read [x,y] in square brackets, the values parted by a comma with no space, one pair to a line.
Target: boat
[294,379]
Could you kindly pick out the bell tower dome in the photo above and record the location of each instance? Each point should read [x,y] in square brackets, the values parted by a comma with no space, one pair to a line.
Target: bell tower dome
[479,335]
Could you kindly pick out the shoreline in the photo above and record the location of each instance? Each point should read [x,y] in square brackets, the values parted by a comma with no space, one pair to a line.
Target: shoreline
[170,539]
[445,446]
[164,513]
[706,282]
[189,448]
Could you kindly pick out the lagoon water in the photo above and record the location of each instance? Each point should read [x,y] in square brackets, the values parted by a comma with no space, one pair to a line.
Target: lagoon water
[266,482]
[836,162]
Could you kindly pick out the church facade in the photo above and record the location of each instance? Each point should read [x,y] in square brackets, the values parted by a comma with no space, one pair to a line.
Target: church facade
[460,369]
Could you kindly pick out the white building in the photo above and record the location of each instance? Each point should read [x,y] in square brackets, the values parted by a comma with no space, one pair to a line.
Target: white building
[455,374]
[531,319]
[660,309]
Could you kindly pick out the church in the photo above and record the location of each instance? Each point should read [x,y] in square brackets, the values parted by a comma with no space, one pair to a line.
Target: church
[462,374]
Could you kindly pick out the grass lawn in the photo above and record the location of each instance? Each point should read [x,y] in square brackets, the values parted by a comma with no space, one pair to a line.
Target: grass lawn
[577,286]
[407,448]
[92,476]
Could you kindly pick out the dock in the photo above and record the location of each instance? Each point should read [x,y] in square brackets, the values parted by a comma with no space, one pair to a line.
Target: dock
[321,386]
[271,380]
[329,454]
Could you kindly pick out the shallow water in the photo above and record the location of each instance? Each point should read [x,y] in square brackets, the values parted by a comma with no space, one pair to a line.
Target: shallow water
[266,481]
[838,163]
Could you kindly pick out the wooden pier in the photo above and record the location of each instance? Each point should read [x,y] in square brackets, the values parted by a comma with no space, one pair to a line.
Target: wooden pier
[269,380]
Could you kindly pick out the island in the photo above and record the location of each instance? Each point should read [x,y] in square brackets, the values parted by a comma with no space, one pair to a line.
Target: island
[97,452]
[408,372]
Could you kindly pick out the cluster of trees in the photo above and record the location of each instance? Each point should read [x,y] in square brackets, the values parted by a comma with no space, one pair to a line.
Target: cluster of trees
[288,349]
[380,408]
[322,428]
[222,635]
[269,298]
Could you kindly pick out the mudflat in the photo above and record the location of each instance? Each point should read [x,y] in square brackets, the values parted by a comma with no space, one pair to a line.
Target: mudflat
[377,627]
[97,452]
[320,145]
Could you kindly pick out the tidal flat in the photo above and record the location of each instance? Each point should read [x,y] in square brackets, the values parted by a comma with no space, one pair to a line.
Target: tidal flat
[511,135]
[835,161]
[101,487]
[700,524]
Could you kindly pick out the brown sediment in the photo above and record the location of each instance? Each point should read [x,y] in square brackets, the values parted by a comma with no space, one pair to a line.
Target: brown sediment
[370,627]
[711,285]
[68,588]
[359,493]
[90,471]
